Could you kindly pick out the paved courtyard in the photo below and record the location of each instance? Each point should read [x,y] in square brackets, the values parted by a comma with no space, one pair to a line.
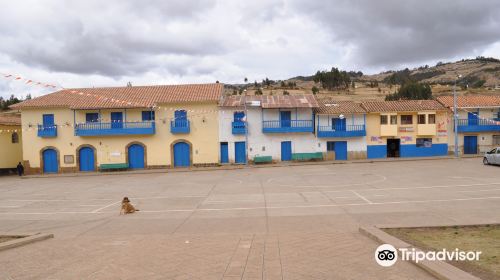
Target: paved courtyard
[295,222]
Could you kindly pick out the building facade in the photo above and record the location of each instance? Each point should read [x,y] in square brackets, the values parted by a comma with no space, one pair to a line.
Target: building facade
[341,129]
[280,128]
[407,128]
[478,123]
[131,127]
[11,152]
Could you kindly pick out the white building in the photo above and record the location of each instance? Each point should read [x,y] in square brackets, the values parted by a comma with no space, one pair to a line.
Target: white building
[341,129]
[279,127]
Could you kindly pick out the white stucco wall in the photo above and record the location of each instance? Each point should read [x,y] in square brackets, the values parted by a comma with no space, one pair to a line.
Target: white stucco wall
[354,144]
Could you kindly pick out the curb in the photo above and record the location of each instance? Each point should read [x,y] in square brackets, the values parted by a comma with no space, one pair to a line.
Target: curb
[236,167]
[439,269]
[24,240]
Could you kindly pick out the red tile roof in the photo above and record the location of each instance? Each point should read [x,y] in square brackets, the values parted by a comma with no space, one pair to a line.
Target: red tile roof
[402,106]
[338,107]
[125,97]
[10,120]
[471,101]
[272,101]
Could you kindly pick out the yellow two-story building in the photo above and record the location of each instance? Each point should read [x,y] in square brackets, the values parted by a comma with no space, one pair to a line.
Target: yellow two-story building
[91,129]
[406,128]
[11,152]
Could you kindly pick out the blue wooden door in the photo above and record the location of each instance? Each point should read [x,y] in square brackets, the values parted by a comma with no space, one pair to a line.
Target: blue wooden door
[50,161]
[240,152]
[340,150]
[339,124]
[285,118]
[116,119]
[473,118]
[238,116]
[48,120]
[286,150]
[136,156]
[224,152]
[470,144]
[180,118]
[181,155]
[87,159]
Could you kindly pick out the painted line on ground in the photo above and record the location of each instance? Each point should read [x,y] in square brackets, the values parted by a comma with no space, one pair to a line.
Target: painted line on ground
[269,207]
[492,190]
[104,207]
[362,197]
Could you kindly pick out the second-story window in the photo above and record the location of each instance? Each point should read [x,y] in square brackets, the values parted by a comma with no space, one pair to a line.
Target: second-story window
[48,120]
[432,119]
[91,117]
[407,119]
[15,138]
[148,116]
[383,119]
[239,116]
[394,119]
[421,119]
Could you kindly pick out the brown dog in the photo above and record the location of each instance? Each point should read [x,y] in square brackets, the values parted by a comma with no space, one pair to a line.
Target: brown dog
[127,208]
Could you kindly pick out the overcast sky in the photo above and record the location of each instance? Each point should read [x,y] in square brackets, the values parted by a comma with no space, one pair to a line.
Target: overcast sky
[108,43]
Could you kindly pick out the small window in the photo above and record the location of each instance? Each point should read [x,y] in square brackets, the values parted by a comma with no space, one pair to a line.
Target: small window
[496,140]
[432,118]
[424,142]
[498,151]
[148,116]
[421,119]
[239,116]
[92,117]
[330,146]
[407,119]
[263,148]
[383,119]
[394,119]
[15,138]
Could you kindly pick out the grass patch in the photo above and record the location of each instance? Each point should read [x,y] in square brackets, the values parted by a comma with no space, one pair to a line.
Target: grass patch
[468,238]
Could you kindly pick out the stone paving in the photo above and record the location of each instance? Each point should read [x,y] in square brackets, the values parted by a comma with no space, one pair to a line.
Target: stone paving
[297,222]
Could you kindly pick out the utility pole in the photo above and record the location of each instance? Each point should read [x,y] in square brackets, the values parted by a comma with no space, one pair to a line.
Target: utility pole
[246,128]
[455,115]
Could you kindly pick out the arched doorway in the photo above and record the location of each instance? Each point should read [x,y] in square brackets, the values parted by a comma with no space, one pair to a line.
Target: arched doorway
[136,156]
[182,154]
[86,159]
[50,164]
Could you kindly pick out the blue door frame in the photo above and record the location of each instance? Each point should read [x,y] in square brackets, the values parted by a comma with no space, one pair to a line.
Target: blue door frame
[136,156]
[240,152]
[181,155]
[224,152]
[285,118]
[470,144]
[116,120]
[50,161]
[87,160]
[286,150]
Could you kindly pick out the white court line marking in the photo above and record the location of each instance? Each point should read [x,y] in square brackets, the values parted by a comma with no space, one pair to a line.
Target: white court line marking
[10,206]
[492,190]
[90,205]
[345,185]
[269,207]
[104,207]
[54,200]
[416,188]
[165,197]
[362,197]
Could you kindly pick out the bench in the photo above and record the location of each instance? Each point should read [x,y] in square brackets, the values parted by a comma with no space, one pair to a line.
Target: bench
[307,156]
[263,159]
[113,166]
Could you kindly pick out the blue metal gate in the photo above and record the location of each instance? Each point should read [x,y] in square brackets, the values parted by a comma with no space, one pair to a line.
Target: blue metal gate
[286,150]
[470,144]
[87,159]
[224,152]
[136,156]
[240,152]
[340,150]
[50,161]
[181,155]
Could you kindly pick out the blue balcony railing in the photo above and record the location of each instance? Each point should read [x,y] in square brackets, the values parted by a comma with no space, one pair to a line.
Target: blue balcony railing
[347,131]
[47,131]
[479,125]
[287,126]
[115,128]
[238,127]
[179,126]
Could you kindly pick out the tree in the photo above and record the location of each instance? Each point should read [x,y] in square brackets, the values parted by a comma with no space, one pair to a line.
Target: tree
[246,80]
[283,84]
[411,91]
[333,79]
[129,84]
[315,90]
[285,92]
[258,91]
[28,96]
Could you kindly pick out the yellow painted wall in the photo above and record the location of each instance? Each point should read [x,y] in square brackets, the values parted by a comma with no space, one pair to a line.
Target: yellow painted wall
[111,149]
[374,129]
[10,153]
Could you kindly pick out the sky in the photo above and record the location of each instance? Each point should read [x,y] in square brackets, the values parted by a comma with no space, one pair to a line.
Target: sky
[109,43]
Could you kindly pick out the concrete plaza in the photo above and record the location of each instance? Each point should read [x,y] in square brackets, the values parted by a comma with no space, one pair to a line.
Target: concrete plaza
[291,222]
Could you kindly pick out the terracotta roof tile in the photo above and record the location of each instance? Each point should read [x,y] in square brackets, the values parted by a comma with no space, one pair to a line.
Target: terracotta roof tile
[327,106]
[10,120]
[471,101]
[273,101]
[402,106]
[125,97]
